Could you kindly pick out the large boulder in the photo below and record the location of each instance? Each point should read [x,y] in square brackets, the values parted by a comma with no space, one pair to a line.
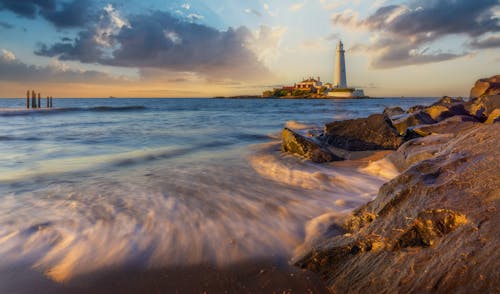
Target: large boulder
[454,124]
[295,143]
[415,108]
[448,101]
[446,107]
[490,86]
[393,111]
[371,133]
[432,229]
[483,106]
[412,119]
[494,117]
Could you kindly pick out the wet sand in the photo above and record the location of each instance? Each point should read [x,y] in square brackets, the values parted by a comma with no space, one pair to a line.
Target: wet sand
[255,276]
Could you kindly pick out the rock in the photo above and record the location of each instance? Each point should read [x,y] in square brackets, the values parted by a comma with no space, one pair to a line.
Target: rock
[438,112]
[446,107]
[483,106]
[448,101]
[418,149]
[412,119]
[490,86]
[493,117]
[415,108]
[429,230]
[372,133]
[393,111]
[297,144]
[454,124]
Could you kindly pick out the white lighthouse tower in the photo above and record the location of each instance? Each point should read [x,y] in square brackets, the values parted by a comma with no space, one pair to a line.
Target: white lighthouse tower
[340,88]
[340,80]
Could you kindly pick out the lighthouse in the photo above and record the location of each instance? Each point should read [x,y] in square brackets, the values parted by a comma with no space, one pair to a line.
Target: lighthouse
[340,80]
[339,88]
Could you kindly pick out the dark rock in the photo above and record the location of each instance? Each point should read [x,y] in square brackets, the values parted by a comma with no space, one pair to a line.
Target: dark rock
[483,106]
[415,108]
[446,107]
[450,125]
[490,86]
[448,101]
[412,119]
[297,144]
[371,133]
[494,117]
[428,230]
[393,111]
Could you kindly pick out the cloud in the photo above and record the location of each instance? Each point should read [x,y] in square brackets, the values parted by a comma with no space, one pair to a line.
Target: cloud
[186,6]
[71,14]
[12,69]
[75,13]
[7,55]
[159,40]
[265,41]
[195,16]
[297,6]
[253,11]
[5,25]
[486,43]
[401,31]
[110,23]
[27,8]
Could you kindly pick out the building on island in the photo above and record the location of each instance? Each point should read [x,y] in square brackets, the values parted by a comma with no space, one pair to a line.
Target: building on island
[314,88]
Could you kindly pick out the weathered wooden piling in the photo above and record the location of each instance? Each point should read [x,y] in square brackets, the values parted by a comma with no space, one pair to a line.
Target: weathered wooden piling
[39,101]
[33,99]
[28,99]
[47,105]
[50,101]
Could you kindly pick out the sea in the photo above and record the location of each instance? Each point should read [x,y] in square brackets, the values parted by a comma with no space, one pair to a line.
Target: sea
[94,186]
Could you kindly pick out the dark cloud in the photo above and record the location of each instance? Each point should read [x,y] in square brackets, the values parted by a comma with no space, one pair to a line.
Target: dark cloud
[17,71]
[71,14]
[403,55]
[27,8]
[84,48]
[5,25]
[433,19]
[159,40]
[486,43]
[62,14]
[404,29]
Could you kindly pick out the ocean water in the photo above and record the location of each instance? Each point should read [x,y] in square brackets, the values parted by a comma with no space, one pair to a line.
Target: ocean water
[95,184]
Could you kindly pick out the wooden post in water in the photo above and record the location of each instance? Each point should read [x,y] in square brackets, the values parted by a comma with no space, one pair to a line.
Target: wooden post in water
[39,101]
[47,101]
[28,99]
[51,101]
[33,99]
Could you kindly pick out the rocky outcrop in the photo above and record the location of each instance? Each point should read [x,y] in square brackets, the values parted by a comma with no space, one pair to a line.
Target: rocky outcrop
[450,125]
[483,106]
[371,133]
[489,86]
[412,119]
[297,144]
[494,117]
[393,111]
[434,228]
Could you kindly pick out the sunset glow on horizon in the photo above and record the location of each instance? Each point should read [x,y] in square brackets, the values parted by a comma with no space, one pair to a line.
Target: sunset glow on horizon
[158,48]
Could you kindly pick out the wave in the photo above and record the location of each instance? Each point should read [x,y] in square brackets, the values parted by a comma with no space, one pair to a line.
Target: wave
[45,111]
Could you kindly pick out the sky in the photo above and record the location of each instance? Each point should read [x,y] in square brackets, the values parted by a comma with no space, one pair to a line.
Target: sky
[206,48]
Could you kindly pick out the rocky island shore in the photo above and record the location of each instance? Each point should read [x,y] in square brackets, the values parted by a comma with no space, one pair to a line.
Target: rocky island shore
[434,227]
